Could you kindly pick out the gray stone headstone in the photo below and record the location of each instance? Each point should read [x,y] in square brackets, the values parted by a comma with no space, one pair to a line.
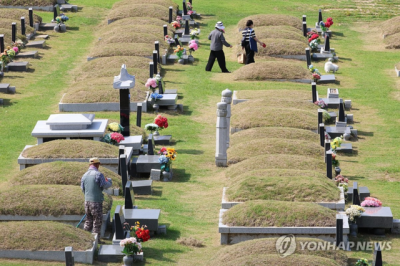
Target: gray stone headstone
[142,187]
[339,230]
[329,164]
[184,8]
[177,42]
[160,87]
[157,48]
[129,196]
[342,114]
[356,195]
[327,47]
[377,255]
[31,17]
[55,12]
[320,118]
[155,174]
[187,29]
[118,221]
[69,257]
[327,147]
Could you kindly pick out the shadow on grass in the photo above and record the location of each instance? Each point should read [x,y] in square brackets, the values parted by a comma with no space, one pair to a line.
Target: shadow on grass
[30,70]
[6,102]
[180,175]
[345,58]
[335,33]
[158,255]
[195,152]
[365,133]
[73,28]
[354,178]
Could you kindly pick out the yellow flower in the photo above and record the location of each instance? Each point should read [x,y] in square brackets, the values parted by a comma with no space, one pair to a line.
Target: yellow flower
[173,157]
[171,150]
[113,126]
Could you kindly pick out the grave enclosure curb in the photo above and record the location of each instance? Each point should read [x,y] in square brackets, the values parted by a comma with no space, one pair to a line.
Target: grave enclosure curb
[43,8]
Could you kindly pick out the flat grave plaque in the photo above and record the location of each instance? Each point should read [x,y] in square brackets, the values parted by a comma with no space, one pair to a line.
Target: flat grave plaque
[162,140]
[133,141]
[18,66]
[167,99]
[376,217]
[4,87]
[39,44]
[337,131]
[327,79]
[70,121]
[142,187]
[147,217]
[32,54]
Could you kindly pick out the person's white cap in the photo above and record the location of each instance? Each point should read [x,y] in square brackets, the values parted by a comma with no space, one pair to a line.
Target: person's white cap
[220,25]
[94,160]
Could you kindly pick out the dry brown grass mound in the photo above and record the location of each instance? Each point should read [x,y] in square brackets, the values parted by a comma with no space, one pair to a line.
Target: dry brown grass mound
[281,102]
[190,242]
[276,161]
[77,148]
[272,70]
[295,186]
[249,149]
[101,90]
[16,14]
[391,26]
[269,213]
[271,20]
[7,36]
[146,10]
[53,236]
[244,116]
[133,37]
[261,259]
[54,200]
[267,247]
[6,24]
[393,41]
[281,32]
[141,74]
[296,95]
[115,62]
[27,2]
[153,26]
[280,47]
[398,66]
[164,3]
[273,132]
[123,49]
[60,173]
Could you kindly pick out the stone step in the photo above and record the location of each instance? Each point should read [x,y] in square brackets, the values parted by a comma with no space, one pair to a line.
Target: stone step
[113,253]
[18,66]
[6,88]
[39,44]
[142,187]
[167,99]
[68,7]
[337,131]
[144,163]
[32,54]
[47,26]
[42,36]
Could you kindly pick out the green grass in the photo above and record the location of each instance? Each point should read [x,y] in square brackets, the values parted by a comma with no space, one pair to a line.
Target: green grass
[190,208]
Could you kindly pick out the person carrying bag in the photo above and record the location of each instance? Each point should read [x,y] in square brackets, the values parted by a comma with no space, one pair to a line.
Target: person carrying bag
[249,42]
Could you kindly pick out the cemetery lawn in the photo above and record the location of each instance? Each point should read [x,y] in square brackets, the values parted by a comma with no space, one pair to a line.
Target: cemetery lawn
[190,203]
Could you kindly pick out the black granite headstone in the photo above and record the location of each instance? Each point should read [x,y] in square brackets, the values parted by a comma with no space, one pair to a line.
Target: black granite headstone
[121,151]
[319,119]
[341,112]
[55,13]
[165,27]
[124,110]
[177,42]
[14,31]
[124,171]
[377,255]
[150,145]
[327,147]
[2,43]
[31,17]
[160,87]
[118,221]
[314,91]
[339,230]
[187,29]
[304,28]
[327,46]
[184,8]
[23,25]
[308,56]
[155,60]
[139,115]
[190,1]
[321,134]
[170,15]
[329,164]
[69,257]
[356,195]
[304,18]
[129,196]
[319,16]
[151,70]
[157,48]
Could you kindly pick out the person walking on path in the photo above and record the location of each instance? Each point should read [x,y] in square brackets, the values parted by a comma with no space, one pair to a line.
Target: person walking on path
[92,183]
[217,42]
[247,33]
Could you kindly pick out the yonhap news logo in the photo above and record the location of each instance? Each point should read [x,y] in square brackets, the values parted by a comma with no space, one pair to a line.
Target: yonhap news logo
[285,245]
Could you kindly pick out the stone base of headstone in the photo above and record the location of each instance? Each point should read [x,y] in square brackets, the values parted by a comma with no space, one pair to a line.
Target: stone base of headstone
[6,88]
[42,36]
[47,26]
[147,217]
[347,104]
[162,140]
[60,28]
[37,44]
[350,118]
[363,192]
[191,58]
[142,187]
[396,226]
[162,230]
[67,7]
[155,174]
[167,176]
[113,253]
[376,218]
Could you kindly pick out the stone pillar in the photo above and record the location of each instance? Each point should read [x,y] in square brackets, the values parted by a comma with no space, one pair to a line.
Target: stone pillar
[14,31]
[319,16]
[124,110]
[54,13]
[327,47]
[187,29]
[356,195]
[139,115]
[190,1]
[304,18]
[151,70]
[377,255]
[23,25]
[69,256]
[2,48]
[121,150]
[157,48]
[31,17]
[322,134]
[341,112]
[184,12]
[320,111]
[124,172]
[305,29]
[329,164]
[160,88]
[155,60]
[170,14]
[177,42]
[327,147]
[314,91]
[221,159]
[165,30]
[227,98]
[339,230]
[129,196]
[308,56]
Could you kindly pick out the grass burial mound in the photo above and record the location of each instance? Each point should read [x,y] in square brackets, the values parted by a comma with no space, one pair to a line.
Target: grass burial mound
[144,10]
[60,173]
[265,213]
[77,148]
[164,3]
[141,74]
[276,161]
[16,14]
[393,41]
[54,200]
[6,24]
[256,185]
[123,49]
[53,236]
[272,70]
[132,37]
[271,20]
[245,116]
[280,47]
[273,132]
[281,32]
[7,36]
[153,26]
[296,95]
[281,102]
[391,26]
[262,259]
[100,90]
[267,246]
[27,2]
[244,150]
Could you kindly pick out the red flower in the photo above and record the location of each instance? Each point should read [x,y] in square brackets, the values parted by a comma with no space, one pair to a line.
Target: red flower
[161,122]
[313,37]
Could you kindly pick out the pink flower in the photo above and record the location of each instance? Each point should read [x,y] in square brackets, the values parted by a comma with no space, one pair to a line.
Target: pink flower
[151,83]
[117,137]
[193,45]
[190,12]
[178,18]
[15,49]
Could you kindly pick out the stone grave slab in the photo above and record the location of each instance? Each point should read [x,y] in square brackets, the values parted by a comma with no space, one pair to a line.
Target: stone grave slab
[18,66]
[180,32]
[42,36]
[31,54]
[345,147]
[323,56]
[363,191]
[332,93]
[185,40]
[167,99]
[162,140]
[133,141]
[113,253]
[170,91]
[67,7]
[47,26]
[332,102]
[147,217]
[337,131]
[38,44]
[4,87]
[327,79]
[144,163]
[173,57]
[142,187]
[376,217]
[70,121]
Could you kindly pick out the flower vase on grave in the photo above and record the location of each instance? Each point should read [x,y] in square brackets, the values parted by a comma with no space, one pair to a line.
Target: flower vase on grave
[353,229]
[156,133]
[128,260]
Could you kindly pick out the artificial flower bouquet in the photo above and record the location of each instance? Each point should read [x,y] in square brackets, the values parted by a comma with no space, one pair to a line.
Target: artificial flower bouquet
[335,161]
[345,187]
[169,40]
[176,24]
[336,143]
[113,138]
[326,116]
[194,34]
[115,127]
[151,127]
[167,155]
[151,84]
[189,6]
[62,19]
[341,179]
[142,234]
[325,26]
[193,46]
[161,122]
[362,262]
[353,212]
[315,72]
[321,104]
[131,246]
[179,51]
[155,96]
[371,202]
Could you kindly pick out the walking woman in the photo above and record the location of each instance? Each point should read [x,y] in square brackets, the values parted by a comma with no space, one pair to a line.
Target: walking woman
[217,42]
[247,33]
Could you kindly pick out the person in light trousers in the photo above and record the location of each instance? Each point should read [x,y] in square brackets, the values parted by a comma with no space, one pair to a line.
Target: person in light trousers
[217,42]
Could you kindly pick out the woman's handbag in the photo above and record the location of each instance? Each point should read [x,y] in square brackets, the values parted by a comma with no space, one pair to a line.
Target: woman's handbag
[242,58]
[253,44]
